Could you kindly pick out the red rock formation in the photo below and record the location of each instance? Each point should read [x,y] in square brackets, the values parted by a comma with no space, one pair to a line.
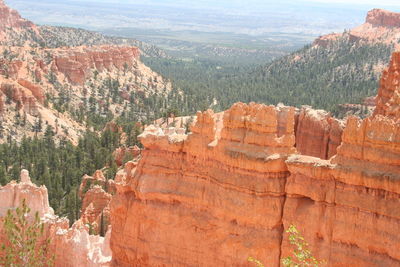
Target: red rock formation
[10,18]
[36,91]
[79,62]
[12,194]
[71,246]
[211,198]
[380,17]
[22,96]
[10,68]
[317,133]
[227,190]
[348,207]
[12,25]
[95,209]
[75,247]
[388,99]
[89,181]
[325,40]
[122,153]
[380,26]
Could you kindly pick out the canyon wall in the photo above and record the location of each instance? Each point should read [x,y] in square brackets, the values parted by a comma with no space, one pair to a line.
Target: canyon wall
[228,189]
[380,17]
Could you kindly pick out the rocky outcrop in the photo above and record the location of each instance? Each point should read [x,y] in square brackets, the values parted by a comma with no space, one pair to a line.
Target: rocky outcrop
[71,246]
[75,247]
[380,17]
[209,198]
[388,99]
[381,26]
[89,181]
[12,194]
[318,134]
[95,192]
[10,18]
[36,90]
[23,97]
[228,189]
[123,153]
[96,210]
[12,25]
[79,62]
[348,207]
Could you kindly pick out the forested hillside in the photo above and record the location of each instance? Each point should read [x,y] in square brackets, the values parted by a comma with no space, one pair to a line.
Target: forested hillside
[57,36]
[60,166]
[341,72]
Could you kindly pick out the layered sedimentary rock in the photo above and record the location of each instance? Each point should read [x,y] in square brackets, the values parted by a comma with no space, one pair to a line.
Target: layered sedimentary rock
[14,29]
[227,190]
[12,194]
[11,18]
[381,26]
[78,63]
[68,76]
[388,99]
[75,247]
[348,207]
[209,198]
[380,17]
[25,94]
[97,178]
[71,246]
[318,134]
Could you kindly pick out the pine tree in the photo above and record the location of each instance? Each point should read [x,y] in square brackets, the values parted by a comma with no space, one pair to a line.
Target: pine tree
[25,245]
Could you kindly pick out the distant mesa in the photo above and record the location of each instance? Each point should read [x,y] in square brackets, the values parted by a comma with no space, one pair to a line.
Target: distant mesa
[381,26]
[385,18]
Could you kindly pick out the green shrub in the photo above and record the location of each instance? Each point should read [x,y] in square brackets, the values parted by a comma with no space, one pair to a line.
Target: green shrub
[24,245]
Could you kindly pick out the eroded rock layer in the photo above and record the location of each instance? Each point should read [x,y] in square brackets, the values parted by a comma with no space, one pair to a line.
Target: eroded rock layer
[210,198]
[317,133]
[70,246]
[228,190]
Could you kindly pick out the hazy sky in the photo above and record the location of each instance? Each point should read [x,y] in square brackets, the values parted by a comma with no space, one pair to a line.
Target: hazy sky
[254,17]
[247,2]
[361,2]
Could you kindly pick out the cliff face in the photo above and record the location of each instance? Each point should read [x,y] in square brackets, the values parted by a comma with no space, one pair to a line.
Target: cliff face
[318,134]
[348,207]
[78,63]
[210,198]
[388,99]
[14,29]
[10,18]
[71,246]
[381,26]
[380,17]
[229,189]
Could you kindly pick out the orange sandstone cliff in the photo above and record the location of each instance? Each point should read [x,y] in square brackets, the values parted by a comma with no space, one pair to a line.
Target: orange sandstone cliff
[381,26]
[228,189]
